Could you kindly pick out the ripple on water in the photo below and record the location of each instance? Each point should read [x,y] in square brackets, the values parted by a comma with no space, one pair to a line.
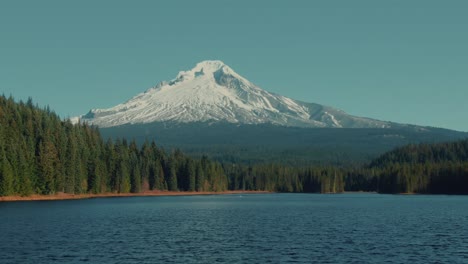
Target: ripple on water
[270,228]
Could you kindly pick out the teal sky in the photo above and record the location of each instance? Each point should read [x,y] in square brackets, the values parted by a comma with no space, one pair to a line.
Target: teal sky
[403,61]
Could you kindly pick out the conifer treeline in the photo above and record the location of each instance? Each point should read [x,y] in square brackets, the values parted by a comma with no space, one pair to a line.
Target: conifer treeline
[425,168]
[41,154]
[281,178]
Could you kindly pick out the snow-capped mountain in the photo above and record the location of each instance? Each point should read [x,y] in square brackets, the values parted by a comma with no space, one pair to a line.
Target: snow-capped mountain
[213,92]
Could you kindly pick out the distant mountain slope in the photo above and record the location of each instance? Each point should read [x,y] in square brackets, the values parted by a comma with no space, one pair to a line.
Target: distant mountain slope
[211,109]
[454,152]
[440,168]
[291,145]
[213,92]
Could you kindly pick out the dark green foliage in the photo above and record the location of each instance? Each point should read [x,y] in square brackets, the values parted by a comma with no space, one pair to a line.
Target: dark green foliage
[172,174]
[440,168]
[6,179]
[280,178]
[267,143]
[191,175]
[425,153]
[426,168]
[41,154]
[200,178]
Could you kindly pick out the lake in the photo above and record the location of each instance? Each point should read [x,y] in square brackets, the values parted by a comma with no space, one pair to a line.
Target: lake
[250,228]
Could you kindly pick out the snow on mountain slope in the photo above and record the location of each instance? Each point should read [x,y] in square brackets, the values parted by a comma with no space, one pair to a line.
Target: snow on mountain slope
[213,92]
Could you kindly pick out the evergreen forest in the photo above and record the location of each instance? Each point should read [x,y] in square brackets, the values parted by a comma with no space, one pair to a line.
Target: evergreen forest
[42,154]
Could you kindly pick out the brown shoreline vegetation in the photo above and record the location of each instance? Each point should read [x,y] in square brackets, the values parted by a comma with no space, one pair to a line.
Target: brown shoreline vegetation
[66,196]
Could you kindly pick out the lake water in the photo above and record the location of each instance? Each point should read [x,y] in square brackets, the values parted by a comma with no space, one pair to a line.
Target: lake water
[252,228]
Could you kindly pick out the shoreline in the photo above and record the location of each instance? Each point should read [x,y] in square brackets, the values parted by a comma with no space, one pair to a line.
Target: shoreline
[66,196]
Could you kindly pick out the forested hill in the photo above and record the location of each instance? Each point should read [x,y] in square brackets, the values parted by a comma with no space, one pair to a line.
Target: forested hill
[424,168]
[41,154]
[426,153]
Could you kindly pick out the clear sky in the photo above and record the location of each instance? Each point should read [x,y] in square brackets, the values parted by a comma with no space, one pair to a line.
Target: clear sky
[403,61]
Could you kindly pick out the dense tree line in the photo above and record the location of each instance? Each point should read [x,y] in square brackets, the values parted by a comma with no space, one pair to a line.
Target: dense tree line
[440,168]
[41,154]
[281,178]
[269,143]
[425,153]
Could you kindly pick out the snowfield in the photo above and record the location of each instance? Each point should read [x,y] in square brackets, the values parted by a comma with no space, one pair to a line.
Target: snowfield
[212,91]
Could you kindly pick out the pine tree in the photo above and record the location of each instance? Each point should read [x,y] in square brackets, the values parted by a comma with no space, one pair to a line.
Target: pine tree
[200,178]
[172,175]
[47,163]
[6,179]
[192,175]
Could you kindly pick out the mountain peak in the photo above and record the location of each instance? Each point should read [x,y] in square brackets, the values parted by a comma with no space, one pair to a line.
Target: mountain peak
[210,65]
[212,92]
[207,67]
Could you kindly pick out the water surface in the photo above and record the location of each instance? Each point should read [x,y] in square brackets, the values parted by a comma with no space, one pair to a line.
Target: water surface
[251,228]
